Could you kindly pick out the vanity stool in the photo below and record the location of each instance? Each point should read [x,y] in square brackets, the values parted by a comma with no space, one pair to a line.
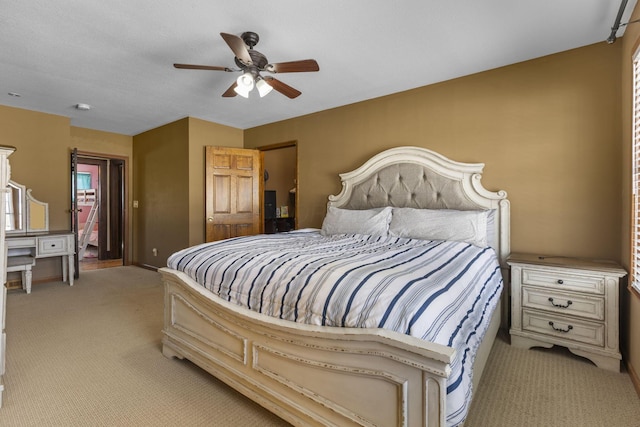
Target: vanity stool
[24,264]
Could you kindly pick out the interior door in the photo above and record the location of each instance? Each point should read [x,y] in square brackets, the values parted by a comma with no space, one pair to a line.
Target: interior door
[74,208]
[116,209]
[233,187]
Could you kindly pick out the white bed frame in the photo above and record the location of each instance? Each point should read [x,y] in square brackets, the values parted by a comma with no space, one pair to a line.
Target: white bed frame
[320,376]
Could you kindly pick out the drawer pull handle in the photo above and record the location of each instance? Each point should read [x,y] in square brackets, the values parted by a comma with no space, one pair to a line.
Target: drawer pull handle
[560,281]
[569,302]
[569,327]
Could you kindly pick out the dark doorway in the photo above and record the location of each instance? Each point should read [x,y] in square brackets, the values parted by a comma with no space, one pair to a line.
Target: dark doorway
[280,164]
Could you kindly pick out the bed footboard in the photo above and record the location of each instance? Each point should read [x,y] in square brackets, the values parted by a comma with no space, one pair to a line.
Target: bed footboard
[307,375]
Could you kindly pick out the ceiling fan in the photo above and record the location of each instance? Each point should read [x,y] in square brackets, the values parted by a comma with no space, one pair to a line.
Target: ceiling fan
[251,63]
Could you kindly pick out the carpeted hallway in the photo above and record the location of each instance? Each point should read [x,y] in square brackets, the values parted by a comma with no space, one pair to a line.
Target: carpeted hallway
[90,355]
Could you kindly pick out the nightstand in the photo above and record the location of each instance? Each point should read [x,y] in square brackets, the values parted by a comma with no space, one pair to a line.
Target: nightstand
[569,302]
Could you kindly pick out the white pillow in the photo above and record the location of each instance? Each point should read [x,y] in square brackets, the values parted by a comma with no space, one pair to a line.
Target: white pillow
[491,228]
[440,224]
[374,222]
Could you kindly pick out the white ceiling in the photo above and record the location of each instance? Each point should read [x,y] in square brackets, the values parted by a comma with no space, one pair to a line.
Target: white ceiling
[117,55]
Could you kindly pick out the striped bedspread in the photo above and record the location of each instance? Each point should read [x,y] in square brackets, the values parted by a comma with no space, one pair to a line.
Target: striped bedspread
[440,291]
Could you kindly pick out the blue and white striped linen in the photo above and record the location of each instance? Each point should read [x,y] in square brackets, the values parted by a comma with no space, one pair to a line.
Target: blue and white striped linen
[440,291]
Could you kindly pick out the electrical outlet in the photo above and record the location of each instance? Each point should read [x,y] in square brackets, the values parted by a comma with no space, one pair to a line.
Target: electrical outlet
[135,203]
[155,252]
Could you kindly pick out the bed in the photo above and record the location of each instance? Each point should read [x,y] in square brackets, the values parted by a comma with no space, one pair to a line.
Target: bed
[351,372]
[87,225]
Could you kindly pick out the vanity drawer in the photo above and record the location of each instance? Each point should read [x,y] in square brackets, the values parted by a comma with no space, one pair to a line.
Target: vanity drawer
[590,307]
[563,327]
[560,279]
[52,246]
[21,242]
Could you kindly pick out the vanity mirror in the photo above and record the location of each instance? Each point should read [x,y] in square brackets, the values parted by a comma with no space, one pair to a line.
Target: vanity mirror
[25,214]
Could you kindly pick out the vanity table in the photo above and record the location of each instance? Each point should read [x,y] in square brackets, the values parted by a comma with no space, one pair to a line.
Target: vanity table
[28,237]
[22,250]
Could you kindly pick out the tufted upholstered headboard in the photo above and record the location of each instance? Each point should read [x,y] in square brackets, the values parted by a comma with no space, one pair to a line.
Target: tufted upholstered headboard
[419,178]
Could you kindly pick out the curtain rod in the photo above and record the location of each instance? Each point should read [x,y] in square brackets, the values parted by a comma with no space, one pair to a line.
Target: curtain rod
[617,25]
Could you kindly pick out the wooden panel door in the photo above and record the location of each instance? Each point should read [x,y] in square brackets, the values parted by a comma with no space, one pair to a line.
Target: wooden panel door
[233,187]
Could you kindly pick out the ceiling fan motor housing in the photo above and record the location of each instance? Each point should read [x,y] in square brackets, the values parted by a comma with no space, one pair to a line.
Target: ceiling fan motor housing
[258,59]
[250,38]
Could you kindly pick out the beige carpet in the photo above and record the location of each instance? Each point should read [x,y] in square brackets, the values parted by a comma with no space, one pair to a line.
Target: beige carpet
[550,388]
[89,355]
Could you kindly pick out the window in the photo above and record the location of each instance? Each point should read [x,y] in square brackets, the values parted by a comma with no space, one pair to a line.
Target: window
[635,178]
[84,180]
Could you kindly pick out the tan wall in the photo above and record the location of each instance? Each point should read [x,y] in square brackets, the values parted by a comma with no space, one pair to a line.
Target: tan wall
[630,303]
[161,188]
[169,185]
[42,162]
[548,131]
[95,141]
[42,158]
[166,164]
[201,134]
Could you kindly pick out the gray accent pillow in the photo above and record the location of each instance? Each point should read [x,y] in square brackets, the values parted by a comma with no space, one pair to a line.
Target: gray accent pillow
[440,224]
[373,222]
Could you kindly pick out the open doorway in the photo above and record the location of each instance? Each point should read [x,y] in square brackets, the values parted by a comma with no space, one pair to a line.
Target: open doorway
[99,200]
[280,164]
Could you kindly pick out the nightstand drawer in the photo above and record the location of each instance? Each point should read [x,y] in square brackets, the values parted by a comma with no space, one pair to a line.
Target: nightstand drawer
[562,280]
[51,246]
[563,327]
[591,307]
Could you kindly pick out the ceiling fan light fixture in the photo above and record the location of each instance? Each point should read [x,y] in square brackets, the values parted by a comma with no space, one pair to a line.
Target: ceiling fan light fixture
[245,81]
[263,87]
[242,91]
[244,85]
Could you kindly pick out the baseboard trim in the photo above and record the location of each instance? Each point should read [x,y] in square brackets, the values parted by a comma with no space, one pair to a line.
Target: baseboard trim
[47,279]
[16,283]
[146,266]
[634,377]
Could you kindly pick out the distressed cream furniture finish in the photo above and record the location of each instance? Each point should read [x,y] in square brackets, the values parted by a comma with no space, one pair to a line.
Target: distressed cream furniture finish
[24,264]
[52,244]
[59,244]
[321,376]
[5,172]
[29,215]
[28,237]
[568,302]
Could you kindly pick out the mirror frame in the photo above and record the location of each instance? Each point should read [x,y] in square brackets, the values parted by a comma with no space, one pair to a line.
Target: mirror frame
[16,192]
[28,206]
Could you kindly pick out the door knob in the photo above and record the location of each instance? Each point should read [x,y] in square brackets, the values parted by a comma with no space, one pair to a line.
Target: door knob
[210,219]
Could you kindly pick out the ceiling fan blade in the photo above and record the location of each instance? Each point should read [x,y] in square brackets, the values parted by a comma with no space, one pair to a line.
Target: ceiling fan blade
[238,47]
[230,92]
[304,65]
[202,67]
[284,89]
